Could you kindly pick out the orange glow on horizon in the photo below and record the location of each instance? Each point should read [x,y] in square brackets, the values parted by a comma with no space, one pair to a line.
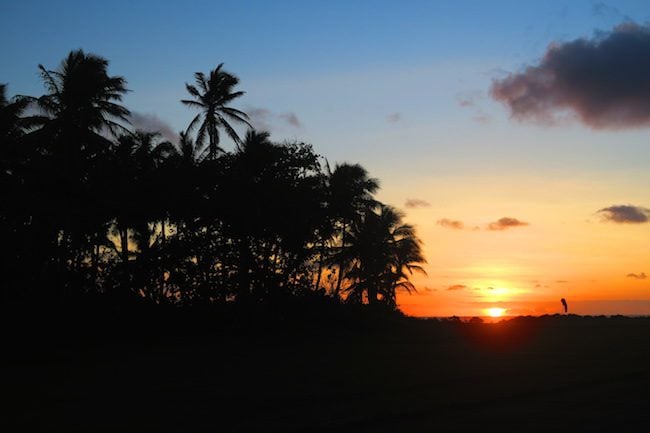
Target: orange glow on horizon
[495,312]
[565,251]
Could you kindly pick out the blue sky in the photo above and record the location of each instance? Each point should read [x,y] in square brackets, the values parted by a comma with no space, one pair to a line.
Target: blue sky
[343,68]
[401,87]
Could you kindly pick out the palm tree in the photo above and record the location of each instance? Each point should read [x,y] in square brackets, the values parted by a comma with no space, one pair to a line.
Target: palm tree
[137,156]
[382,254]
[211,96]
[82,97]
[12,124]
[11,129]
[350,196]
[82,102]
[187,150]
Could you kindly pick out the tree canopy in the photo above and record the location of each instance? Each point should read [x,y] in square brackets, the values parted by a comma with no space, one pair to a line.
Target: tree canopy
[92,206]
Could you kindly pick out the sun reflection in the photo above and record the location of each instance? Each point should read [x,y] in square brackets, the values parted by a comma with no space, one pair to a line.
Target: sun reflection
[495,312]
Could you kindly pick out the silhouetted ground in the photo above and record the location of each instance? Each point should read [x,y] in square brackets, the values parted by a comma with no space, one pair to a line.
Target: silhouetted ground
[105,371]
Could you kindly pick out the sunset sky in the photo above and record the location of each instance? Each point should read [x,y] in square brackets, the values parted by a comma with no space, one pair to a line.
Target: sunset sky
[514,135]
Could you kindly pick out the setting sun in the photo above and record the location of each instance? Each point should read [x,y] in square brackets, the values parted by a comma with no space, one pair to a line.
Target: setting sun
[495,312]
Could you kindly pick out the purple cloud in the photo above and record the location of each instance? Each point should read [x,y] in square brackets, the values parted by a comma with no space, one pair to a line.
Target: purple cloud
[625,214]
[603,81]
[152,123]
[264,119]
[506,223]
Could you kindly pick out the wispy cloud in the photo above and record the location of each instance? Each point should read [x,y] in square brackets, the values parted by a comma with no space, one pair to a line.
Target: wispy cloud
[264,119]
[472,101]
[457,287]
[451,224]
[506,223]
[413,203]
[625,214]
[602,9]
[394,117]
[639,276]
[291,119]
[603,81]
[152,123]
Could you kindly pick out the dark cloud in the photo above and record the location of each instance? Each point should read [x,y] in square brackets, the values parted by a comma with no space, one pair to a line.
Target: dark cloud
[603,81]
[394,117]
[152,123]
[264,119]
[451,224]
[506,223]
[625,214]
[412,203]
[457,287]
[639,276]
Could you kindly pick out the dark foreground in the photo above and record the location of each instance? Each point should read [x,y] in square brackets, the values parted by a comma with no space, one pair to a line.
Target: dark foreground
[543,374]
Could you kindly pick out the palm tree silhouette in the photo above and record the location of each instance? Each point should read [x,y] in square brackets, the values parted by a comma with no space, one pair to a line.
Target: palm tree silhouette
[187,150]
[137,157]
[12,124]
[81,103]
[350,195]
[131,214]
[382,253]
[82,96]
[212,96]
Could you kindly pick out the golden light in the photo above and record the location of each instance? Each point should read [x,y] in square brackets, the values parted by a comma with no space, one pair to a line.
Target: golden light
[495,312]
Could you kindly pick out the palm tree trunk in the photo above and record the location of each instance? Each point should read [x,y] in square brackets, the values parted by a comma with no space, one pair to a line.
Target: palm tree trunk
[162,231]
[340,276]
[320,264]
[162,258]
[372,294]
[124,242]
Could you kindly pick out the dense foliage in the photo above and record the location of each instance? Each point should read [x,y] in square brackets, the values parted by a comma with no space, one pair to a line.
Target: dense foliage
[89,205]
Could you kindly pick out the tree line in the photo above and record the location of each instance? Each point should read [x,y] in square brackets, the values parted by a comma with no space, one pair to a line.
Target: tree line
[90,205]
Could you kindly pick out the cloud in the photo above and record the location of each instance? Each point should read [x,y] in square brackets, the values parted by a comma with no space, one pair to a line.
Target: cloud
[394,117]
[602,9]
[291,119]
[481,118]
[451,224]
[472,101]
[152,123]
[412,203]
[264,119]
[457,287]
[625,214]
[506,223]
[603,81]
[259,118]
[465,100]
[639,276]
